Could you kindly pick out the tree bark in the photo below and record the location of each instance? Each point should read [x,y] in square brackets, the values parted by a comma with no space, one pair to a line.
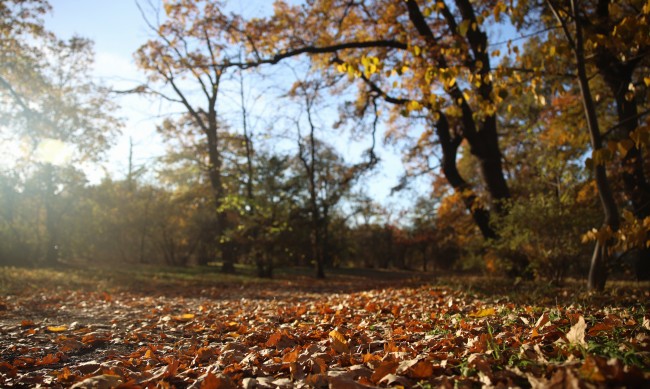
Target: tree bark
[618,76]
[598,267]
[482,136]
[51,250]
[450,146]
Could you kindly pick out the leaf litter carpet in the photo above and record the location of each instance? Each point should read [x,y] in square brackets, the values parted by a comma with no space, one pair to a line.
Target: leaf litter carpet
[317,334]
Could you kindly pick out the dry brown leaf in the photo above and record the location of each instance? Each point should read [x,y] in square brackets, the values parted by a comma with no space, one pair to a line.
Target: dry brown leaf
[212,381]
[421,370]
[104,381]
[385,368]
[600,327]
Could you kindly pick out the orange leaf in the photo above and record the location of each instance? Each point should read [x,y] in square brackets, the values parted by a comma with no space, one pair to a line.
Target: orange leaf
[371,357]
[47,360]
[291,356]
[65,375]
[387,367]
[422,369]
[172,368]
[209,382]
[212,381]
[319,366]
[371,307]
[203,354]
[280,340]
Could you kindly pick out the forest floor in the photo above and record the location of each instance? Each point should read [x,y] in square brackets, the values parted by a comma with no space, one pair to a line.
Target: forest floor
[167,327]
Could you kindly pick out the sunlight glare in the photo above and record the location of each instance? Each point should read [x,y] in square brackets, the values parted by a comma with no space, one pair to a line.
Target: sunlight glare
[53,151]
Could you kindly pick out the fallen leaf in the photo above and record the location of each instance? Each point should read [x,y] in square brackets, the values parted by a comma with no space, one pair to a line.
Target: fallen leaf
[590,370]
[339,343]
[421,370]
[483,312]
[281,340]
[291,356]
[576,334]
[104,381]
[47,360]
[600,327]
[385,368]
[212,381]
[392,379]
[184,317]
[57,328]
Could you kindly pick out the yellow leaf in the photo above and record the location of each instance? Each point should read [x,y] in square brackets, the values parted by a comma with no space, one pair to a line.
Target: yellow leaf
[414,105]
[647,81]
[339,343]
[483,312]
[184,317]
[463,27]
[57,328]
[417,51]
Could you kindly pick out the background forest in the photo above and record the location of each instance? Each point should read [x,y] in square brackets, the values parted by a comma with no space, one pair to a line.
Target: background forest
[531,149]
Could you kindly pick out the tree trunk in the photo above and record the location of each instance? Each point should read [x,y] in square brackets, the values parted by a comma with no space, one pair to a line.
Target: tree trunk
[450,146]
[598,269]
[316,249]
[228,256]
[482,136]
[51,251]
[618,76]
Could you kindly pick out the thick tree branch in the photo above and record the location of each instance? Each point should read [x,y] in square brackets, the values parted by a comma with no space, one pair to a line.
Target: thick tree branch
[319,50]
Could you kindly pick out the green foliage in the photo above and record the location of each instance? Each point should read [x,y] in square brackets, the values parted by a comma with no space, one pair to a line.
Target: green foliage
[540,235]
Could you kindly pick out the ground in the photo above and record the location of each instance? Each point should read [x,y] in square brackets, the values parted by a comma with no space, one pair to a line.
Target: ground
[153,327]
